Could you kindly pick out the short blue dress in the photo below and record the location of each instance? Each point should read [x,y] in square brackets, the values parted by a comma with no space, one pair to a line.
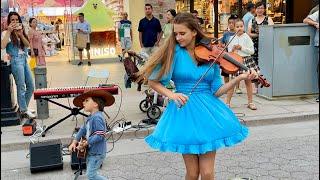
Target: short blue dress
[204,123]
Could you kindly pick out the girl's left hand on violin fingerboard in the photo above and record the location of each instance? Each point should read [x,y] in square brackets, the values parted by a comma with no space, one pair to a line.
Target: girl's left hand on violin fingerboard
[249,75]
[238,47]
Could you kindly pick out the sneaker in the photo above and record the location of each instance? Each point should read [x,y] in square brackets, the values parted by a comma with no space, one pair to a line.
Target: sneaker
[120,58]
[238,91]
[32,110]
[89,63]
[29,115]
[317,100]
[80,63]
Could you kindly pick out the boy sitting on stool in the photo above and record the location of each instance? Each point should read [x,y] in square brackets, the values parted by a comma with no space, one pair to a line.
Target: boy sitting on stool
[94,130]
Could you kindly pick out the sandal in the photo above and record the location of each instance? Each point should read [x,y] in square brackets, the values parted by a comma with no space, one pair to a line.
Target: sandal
[252,106]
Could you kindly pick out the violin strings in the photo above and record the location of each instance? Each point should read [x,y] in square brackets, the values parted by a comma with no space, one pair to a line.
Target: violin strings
[212,63]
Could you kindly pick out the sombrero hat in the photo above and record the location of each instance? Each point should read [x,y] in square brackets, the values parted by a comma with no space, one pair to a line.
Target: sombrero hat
[108,98]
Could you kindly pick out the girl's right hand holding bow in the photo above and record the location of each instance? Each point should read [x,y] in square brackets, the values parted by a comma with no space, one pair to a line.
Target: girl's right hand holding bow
[179,98]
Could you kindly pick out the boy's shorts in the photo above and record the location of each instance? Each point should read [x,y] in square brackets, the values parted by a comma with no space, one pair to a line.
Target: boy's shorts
[125,43]
[87,47]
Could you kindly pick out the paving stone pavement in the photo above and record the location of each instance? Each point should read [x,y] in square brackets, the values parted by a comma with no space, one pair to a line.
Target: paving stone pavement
[291,158]
[263,160]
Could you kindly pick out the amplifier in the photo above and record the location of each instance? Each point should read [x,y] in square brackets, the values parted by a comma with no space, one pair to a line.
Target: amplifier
[45,156]
[75,162]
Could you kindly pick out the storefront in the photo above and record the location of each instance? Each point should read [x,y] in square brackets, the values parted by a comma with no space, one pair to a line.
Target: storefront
[216,14]
[205,10]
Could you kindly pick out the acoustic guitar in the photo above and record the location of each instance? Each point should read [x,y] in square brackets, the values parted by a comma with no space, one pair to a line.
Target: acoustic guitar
[82,148]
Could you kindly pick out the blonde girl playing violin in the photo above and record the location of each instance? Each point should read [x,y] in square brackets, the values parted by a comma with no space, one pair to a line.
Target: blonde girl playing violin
[243,46]
[203,123]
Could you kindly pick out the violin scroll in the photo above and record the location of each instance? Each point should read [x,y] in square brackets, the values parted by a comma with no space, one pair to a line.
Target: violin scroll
[262,81]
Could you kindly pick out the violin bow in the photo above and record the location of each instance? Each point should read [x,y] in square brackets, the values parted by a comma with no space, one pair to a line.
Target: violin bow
[212,63]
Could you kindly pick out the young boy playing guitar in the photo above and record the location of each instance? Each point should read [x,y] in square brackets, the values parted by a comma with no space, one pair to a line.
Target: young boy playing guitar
[92,134]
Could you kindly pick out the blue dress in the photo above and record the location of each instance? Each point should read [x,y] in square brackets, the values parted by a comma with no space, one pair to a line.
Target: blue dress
[204,123]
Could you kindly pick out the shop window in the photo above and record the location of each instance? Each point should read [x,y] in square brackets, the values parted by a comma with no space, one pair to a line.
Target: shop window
[205,11]
[183,5]
[276,10]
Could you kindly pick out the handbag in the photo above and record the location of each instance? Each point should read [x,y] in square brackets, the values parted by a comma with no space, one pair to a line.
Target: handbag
[32,63]
[130,66]
[131,70]
[81,40]
[36,53]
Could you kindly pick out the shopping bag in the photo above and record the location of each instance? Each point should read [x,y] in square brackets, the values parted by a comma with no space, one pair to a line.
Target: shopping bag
[32,63]
[81,40]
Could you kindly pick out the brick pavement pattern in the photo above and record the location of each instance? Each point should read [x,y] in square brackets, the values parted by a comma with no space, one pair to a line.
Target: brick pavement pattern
[285,158]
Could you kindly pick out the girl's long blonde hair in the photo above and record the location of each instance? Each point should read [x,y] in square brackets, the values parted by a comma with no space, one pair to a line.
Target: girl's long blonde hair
[164,54]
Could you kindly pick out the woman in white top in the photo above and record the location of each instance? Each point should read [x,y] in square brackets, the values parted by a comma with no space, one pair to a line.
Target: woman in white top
[242,45]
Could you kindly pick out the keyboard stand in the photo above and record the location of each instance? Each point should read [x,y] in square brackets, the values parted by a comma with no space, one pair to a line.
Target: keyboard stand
[74,111]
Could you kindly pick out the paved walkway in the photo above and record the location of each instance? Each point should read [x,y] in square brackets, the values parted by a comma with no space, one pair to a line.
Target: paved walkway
[61,73]
[273,152]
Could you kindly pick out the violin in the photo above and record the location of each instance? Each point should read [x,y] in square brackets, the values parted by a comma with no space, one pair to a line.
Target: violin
[206,52]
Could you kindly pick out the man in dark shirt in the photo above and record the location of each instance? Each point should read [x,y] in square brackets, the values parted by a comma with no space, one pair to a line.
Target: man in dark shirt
[149,31]
[196,15]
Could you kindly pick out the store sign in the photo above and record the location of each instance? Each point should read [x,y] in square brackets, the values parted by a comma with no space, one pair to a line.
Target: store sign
[103,51]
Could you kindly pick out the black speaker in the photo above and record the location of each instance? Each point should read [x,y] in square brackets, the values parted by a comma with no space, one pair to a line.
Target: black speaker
[75,162]
[45,156]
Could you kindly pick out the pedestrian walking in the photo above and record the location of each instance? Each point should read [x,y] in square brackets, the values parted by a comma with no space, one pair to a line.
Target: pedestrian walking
[125,34]
[149,31]
[37,49]
[83,30]
[180,128]
[251,10]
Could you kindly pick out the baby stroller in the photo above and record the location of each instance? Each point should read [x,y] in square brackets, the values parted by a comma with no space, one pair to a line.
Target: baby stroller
[153,102]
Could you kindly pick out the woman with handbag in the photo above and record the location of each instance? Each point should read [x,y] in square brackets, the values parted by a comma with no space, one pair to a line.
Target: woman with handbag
[37,49]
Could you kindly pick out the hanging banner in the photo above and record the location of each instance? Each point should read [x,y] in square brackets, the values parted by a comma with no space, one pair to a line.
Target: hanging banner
[23,5]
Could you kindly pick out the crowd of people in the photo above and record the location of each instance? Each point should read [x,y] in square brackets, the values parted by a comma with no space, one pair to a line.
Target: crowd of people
[19,42]
[171,49]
